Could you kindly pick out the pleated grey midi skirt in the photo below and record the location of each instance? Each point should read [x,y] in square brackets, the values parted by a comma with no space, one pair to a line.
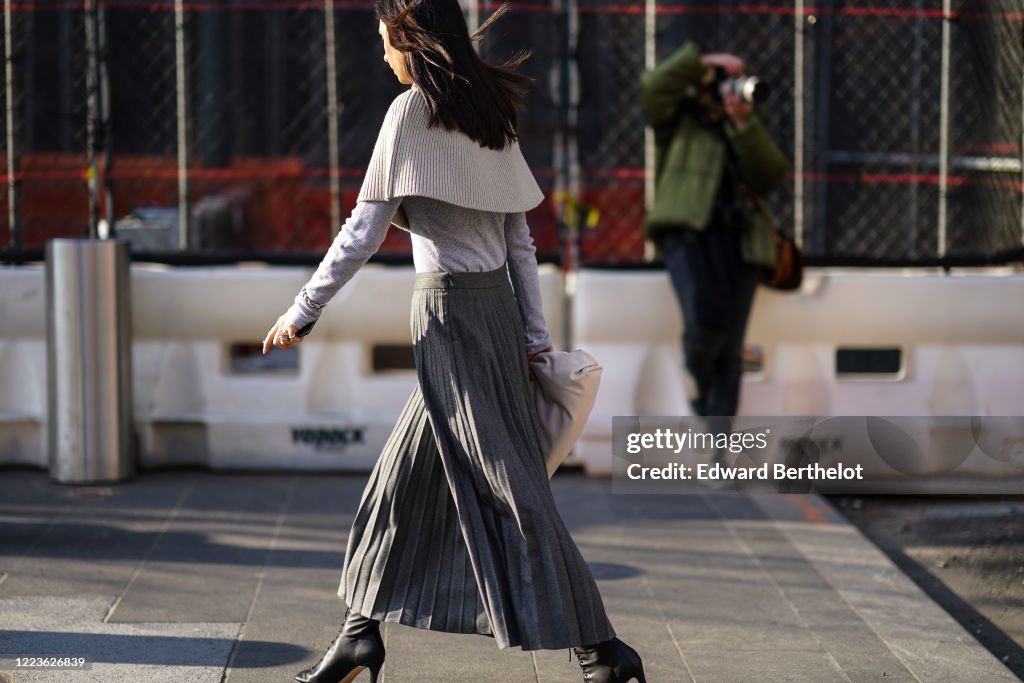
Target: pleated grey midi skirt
[457,529]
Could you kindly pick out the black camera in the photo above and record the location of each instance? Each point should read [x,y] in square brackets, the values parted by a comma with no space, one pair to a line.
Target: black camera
[745,88]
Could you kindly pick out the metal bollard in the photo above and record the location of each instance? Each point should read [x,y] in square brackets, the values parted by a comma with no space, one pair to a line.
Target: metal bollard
[88,340]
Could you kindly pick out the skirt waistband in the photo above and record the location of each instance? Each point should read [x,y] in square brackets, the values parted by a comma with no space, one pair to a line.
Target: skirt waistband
[485,280]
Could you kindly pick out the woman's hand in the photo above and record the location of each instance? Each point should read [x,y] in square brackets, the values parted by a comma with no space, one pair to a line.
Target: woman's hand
[283,335]
[737,110]
[731,64]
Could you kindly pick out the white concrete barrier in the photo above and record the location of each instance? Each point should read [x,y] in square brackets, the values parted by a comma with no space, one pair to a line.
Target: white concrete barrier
[23,366]
[960,337]
[191,407]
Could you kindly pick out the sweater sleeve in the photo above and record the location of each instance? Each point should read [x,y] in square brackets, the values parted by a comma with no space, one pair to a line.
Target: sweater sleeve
[522,265]
[761,163]
[359,239]
[663,88]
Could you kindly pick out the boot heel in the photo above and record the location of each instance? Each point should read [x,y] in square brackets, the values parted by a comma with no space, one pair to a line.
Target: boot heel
[354,674]
[351,675]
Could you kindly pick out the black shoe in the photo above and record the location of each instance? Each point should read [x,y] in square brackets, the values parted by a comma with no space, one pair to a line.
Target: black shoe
[610,662]
[357,647]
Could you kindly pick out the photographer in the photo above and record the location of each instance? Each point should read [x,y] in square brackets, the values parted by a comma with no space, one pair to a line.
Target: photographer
[714,161]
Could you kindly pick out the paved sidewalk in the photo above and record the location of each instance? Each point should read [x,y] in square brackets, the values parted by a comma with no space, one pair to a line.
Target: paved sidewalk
[189,575]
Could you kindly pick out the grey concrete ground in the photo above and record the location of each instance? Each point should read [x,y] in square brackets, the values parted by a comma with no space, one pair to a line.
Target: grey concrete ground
[965,552]
[196,576]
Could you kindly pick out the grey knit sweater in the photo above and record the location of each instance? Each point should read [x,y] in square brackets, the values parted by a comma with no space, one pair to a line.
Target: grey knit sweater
[463,205]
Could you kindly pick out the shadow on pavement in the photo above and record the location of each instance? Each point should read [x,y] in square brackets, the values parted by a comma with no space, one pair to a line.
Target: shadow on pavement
[151,650]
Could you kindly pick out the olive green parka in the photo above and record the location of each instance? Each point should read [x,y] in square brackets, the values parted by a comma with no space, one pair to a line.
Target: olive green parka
[690,158]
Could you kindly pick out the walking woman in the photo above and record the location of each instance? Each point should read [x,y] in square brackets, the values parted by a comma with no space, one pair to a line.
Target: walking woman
[457,529]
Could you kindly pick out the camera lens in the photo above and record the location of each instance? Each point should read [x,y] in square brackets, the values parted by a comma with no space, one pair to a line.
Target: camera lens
[758,91]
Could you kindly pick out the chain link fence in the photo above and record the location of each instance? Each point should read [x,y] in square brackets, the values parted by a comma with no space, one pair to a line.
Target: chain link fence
[985,85]
[242,127]
[143,119]
[45,109]
[539,29]
[611,132]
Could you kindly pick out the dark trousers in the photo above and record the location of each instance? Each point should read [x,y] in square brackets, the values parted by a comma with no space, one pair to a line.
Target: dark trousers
[715,289]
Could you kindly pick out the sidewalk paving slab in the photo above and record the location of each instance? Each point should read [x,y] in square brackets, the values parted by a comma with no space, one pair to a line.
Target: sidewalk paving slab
[191,575]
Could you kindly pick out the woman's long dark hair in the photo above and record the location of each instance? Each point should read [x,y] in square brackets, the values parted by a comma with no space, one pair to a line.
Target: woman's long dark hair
[462,91]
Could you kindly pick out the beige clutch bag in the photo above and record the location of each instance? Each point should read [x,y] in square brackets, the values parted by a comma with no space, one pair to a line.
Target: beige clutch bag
[564,390]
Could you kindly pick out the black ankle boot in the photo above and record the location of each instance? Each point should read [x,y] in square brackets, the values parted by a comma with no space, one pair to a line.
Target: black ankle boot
[358,646]
[610,662]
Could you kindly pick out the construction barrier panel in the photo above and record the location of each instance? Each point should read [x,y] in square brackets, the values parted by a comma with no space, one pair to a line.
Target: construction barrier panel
[204,394]
[850,342]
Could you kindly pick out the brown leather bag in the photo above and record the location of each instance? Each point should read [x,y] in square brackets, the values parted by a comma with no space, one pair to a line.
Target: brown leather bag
[789,268]
[788,272]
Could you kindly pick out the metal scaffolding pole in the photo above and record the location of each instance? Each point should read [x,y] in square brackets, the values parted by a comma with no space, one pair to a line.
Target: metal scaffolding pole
[13,192]
[333,111]
[650,57]
[92,119]
[800,27]
[107,140]
[181,88]
[566,160]
[473,19]
[947,11]
[916,85]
